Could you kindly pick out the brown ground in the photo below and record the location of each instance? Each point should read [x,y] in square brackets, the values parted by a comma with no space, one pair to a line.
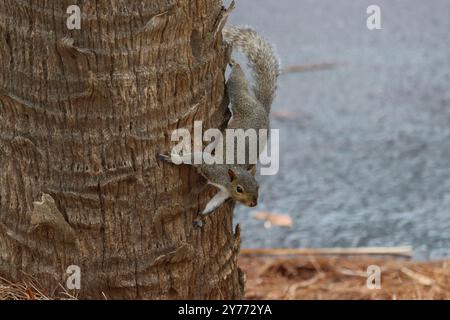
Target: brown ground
[343,278]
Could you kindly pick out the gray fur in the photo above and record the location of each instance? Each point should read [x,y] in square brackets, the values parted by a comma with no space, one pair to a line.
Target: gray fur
[262,60]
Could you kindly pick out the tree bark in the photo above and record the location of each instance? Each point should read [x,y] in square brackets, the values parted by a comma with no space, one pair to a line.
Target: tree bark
[83,115]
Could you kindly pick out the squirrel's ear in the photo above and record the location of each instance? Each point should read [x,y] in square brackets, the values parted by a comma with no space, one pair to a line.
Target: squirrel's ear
[252,170]
[231,174]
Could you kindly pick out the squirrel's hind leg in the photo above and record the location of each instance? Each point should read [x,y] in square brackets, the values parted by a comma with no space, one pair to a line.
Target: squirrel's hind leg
[164,157]
[181,159]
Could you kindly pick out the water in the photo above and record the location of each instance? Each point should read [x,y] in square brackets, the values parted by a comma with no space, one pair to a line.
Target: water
[365,161]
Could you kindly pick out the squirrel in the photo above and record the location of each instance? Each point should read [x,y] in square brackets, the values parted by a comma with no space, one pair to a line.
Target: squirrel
[250,109]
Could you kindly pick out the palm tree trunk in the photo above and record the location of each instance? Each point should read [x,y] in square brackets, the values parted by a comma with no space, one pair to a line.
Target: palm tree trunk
[83,115]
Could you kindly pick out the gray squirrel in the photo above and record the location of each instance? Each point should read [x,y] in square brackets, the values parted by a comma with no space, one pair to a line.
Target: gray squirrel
[250,109]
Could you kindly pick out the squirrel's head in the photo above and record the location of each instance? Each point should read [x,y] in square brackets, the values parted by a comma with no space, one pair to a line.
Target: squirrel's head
[243,186]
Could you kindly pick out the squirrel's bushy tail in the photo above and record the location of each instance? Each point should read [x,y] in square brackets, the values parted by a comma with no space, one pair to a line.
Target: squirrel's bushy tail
[262,61]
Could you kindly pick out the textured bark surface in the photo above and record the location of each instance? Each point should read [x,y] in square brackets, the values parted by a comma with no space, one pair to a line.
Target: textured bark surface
[83,114]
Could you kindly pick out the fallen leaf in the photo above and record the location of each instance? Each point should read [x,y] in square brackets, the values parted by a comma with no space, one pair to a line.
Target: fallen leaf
[284,114]
[281,220]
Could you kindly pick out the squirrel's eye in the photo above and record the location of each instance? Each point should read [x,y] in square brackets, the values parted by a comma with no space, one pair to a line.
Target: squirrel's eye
[239,189]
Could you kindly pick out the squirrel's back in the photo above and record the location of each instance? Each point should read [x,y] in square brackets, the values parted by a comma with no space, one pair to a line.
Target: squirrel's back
[262,61]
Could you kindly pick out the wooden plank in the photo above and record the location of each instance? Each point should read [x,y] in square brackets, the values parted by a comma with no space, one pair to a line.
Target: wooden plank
[405,251]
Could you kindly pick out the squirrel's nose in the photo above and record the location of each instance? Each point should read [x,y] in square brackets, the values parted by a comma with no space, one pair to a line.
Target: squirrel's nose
[253,203]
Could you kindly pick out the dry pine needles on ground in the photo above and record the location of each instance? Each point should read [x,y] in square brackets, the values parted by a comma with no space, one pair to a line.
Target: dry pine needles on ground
[343,278]
[29,289]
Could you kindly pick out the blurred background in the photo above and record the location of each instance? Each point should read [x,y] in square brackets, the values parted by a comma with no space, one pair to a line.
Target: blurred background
[365,136]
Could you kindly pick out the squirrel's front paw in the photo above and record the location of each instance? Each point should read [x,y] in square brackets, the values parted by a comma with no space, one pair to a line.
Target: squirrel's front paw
[198,223]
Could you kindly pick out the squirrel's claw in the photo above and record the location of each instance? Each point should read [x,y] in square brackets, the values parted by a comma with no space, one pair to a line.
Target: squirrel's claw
[198,223]
[232,62]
